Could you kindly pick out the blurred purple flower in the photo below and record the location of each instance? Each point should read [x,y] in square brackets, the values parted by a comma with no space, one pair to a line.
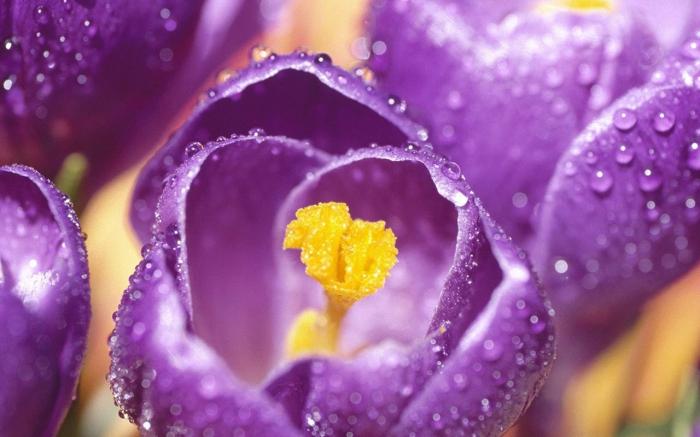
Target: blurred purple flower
[458,341]
[104,77]
[577,138]
[44,303]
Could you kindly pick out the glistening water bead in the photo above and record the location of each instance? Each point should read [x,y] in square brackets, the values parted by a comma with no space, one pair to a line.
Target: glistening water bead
[694,156]
[664,121]
[624,119]
[624,154]
[649,179]
[601,182]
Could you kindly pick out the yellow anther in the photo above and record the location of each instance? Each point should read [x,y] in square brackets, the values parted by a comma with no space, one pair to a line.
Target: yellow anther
[587,4]
[579,5]
[351,260]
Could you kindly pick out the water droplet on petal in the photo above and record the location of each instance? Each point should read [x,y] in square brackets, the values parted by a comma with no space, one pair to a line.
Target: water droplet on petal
[624,154]
[451,170]
[257,132]
[601,182]
[694,156]
[691,49]
[624,119]
[649,180]
[322,58]
[193,148]
[664,121]
[396,103]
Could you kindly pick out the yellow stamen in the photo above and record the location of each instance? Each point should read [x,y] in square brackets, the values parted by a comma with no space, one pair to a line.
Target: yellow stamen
[350,258]
[587,4]
[579,5]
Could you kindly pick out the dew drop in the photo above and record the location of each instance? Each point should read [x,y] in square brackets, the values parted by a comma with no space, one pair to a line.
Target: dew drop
[694,156]
[664,121]
[193,148]
[322,58]
[601,182]
[691,49]
[396,103]
[649,180]
[624,119]
[624,154]
[451,170]
[257,132]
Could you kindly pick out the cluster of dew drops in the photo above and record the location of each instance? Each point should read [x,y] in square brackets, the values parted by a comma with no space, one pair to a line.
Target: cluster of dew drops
[259,55]
[56,54]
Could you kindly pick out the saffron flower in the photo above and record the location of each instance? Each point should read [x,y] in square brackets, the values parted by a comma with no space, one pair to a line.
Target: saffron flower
[417,315]
[578,127]
[103,78]
[44,303]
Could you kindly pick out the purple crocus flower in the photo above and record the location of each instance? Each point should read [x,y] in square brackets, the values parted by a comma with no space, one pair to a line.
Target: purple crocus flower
[104,77]
[601,191]
[458,341]
[44,303]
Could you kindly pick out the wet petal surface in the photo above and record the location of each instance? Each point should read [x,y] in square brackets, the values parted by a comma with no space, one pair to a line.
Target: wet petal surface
[506,102]
[104,78]
[44,303]
[301,96]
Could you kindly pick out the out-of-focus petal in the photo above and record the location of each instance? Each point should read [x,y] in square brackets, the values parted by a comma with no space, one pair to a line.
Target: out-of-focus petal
[672,21]
[621,219]
[473,365]
[104,78]
[44,303]
[300,96]
[505,102]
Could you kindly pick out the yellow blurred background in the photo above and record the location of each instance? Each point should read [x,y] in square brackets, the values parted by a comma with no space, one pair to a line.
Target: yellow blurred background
[639,382]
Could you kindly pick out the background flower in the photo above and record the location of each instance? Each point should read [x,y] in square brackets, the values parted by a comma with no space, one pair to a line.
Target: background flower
[105,78]
[44,303]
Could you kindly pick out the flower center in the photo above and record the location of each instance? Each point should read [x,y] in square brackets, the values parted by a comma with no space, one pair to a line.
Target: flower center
[351,260]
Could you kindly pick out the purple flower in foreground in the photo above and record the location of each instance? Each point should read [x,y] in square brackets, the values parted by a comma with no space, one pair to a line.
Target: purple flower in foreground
[44,303]
[104,77]
[458,340]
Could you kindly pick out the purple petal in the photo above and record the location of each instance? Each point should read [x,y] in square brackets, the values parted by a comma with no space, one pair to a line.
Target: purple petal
[672,21]
[504,103]
[224,202]
[105,77]
[300,96]
[620,219]
[165,378]
[489,343]
[44,303]
[198,324]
